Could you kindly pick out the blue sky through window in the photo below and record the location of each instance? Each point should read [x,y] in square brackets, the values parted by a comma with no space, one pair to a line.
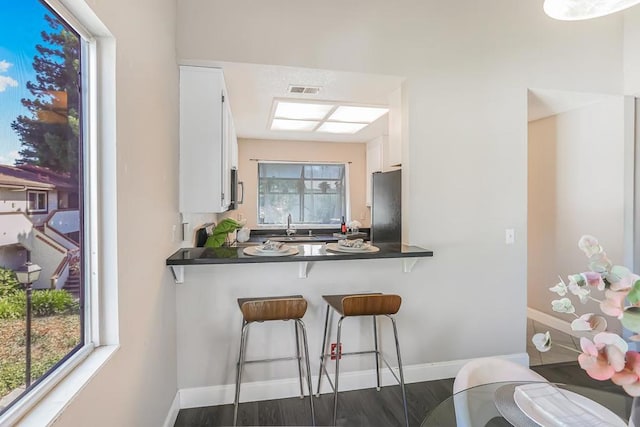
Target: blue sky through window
[18,39]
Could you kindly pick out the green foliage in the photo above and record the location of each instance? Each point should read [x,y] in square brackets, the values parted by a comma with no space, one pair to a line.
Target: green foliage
[43,303]
[12,375]
[220,232]
[631,319]
[48,302]
[13,306]
[8,282]
[49,134]
[634,294]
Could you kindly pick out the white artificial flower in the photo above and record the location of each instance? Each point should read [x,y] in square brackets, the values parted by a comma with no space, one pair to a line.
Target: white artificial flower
[589,245]
[560,288]
[542,341]
[563,305]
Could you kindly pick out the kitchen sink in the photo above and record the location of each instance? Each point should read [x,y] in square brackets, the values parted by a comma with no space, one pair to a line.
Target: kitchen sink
[301,238]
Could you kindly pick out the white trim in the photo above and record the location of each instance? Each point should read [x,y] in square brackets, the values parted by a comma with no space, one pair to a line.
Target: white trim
[289,387]
[46,402]
[173,412]
[553,322]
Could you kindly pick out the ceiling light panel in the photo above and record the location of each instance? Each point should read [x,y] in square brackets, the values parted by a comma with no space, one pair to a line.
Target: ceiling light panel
[357,114]
[299,125]
[573,10]
[301,111]
[337,127]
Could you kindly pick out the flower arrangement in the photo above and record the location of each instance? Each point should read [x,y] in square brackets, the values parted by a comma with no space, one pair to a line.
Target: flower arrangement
[607,355]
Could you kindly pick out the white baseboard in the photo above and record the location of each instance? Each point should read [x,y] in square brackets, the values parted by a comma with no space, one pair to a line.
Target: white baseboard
[173,411]
[554,322]
[289,387]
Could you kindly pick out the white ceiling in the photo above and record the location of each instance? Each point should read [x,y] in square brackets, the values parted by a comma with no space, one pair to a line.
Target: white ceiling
[544,103]
[252,88]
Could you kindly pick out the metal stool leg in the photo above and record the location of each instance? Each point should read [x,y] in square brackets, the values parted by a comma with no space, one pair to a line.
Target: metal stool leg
[295,325]
[306,357]
[239,366]
[377,354]
[404,395]
[323,349]
[338,355]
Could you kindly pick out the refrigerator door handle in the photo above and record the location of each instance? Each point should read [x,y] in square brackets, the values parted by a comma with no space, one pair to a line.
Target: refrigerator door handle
[241,185]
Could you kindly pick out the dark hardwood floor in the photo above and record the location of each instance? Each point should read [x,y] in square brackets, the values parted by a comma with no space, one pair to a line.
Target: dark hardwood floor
[363,407]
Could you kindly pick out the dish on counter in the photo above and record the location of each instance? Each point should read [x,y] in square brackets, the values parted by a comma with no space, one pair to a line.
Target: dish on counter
[366,248]
[282,248]
[283,251]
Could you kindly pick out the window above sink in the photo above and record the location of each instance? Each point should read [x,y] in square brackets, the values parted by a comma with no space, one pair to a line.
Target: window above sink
[312,193]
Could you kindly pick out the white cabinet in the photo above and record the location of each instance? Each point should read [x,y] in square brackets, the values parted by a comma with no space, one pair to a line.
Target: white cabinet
[374,162]
[208,145]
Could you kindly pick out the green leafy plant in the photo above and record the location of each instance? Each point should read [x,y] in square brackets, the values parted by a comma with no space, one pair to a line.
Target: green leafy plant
[13,306]
[220,232]
[8,282]
[44,303]
[48,302]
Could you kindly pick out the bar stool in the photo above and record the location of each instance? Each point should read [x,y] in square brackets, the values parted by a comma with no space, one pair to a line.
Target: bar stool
[292,307]
[374,304]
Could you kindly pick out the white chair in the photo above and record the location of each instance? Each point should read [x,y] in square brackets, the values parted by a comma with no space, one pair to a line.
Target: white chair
[484,371]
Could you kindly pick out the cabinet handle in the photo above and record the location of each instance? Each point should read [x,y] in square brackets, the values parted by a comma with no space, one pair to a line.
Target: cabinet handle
[241,184]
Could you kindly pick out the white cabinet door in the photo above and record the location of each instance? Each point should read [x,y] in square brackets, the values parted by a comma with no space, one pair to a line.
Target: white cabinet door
[204,159]
[374,162]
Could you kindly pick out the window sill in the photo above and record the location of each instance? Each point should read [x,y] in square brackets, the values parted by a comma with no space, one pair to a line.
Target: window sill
[46,403]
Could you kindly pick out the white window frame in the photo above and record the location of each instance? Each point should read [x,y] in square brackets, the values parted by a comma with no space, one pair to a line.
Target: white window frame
[38,209]
[347,192]
[47,399]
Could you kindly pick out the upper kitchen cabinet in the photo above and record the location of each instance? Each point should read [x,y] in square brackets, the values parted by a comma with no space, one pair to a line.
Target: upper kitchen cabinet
[208,144]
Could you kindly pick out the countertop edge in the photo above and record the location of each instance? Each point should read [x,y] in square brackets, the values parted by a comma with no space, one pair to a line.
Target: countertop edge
[386,252]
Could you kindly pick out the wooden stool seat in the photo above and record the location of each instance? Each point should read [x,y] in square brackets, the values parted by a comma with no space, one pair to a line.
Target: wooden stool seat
[375,304]
[263,309]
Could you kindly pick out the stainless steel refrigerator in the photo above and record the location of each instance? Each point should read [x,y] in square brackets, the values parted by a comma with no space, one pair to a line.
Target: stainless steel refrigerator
[386,201]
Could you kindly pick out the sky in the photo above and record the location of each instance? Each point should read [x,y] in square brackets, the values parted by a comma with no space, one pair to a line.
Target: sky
[18,38]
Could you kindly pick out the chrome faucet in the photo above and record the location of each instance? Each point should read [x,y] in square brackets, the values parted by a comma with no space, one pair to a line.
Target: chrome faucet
[290,230]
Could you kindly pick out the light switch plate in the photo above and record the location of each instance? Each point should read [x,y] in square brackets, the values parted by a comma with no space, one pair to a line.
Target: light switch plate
[509,236]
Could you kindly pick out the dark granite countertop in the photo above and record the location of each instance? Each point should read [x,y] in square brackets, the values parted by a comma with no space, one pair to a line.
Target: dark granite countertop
[306,252]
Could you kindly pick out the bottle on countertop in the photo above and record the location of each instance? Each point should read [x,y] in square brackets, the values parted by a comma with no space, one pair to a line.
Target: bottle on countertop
[343,226]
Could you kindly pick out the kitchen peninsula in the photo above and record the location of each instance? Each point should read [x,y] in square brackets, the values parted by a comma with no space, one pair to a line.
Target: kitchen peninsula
[309,252]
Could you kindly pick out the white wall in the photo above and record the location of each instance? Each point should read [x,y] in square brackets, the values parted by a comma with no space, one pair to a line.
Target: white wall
[137,385]
[576,182]
[468,65]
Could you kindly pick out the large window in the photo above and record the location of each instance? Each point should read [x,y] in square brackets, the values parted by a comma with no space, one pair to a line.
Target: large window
[313,194]
[42,316]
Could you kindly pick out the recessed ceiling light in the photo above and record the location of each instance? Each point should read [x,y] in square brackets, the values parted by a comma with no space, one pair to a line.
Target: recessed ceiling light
[339,127]
[357,114]
[301,110]
[301,125]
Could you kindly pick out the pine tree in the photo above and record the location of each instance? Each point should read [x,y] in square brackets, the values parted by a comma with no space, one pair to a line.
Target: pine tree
[50,136]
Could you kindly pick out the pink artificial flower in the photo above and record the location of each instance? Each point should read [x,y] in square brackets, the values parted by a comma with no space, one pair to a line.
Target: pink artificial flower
[603,357]
[594,279]
[629,377]
[613,304]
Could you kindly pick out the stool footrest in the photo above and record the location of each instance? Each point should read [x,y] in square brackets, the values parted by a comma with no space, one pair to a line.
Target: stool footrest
[277,359]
